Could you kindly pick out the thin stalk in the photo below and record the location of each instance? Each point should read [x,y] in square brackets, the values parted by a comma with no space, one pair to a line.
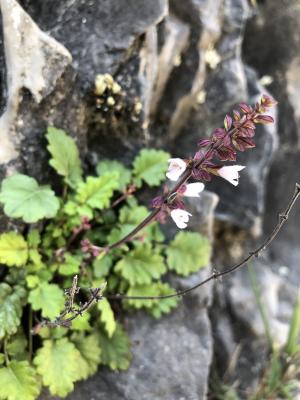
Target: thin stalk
[261,308]
[5,352]
[30,343]
[170,196]
[282,219]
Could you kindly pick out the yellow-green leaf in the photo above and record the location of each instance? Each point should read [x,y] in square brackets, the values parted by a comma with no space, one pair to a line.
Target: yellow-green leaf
[57,363]
[115,351]
[188,252]
[150,166]
[13,249]
[65,156]
[90,351]
[10,309]
[24,198]
[141,265]
[18,381]
[97,192]
[47,297]
[107,316]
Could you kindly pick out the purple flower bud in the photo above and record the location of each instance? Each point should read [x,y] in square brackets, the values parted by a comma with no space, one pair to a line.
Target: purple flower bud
[264,119]
[227,122]
[236,115]
[157,202]
[204,142]
[246,108]
[201,175]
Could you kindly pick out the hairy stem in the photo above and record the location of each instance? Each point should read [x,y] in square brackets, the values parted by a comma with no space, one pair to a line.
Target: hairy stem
[282,219]
[170,196]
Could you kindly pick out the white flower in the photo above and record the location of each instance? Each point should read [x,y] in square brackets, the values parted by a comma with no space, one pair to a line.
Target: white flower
[193,189]
[231,173]
[180,217]
[176,167]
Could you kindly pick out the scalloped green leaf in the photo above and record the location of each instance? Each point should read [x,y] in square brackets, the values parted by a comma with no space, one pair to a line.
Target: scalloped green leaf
[150,166]
[188,252]
[115,351]
[97,192]
[70,265]
[13,249]
[47,297]
[124,177]
[82,323]
[107,317]
[141,265]
[65,156]
[24,198]
[10,308]
[18,381]
[155,307]
[90,351]
[17,345]
[57,363]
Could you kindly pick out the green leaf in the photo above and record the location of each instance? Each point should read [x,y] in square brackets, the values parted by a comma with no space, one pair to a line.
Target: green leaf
[90,351]
[115,351]
[33,240]
[10,309]
[65,156]
[97,192]
[107,316]
[32,281]
[102,265]
[13,249]
[70,265]
[16,347]
[292,345]
[57,363]
[141,265]
[155,307]
[112,165]
[82,323]
[18,381]
[188,252]
[150,166]
[49,298]
[129,218]
[24,198]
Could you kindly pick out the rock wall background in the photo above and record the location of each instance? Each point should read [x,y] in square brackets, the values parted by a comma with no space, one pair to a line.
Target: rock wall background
[183,65]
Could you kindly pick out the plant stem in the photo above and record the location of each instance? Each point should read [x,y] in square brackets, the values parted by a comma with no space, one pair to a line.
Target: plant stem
[282,219]
[30,344]
[170,196]
[261,308]
[5,351]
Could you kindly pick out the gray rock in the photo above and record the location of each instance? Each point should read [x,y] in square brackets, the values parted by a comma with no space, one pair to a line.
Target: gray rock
[171,360]
[35,64]
[114,37]
[276,296]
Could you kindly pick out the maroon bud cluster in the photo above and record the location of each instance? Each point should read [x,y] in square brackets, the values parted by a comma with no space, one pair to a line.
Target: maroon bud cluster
[237,135]
[88,248]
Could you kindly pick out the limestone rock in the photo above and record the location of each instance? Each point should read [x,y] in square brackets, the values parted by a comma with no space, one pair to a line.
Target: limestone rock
[35,64]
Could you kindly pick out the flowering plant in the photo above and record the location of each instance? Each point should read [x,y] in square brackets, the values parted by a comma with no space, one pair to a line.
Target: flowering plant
[38,262]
